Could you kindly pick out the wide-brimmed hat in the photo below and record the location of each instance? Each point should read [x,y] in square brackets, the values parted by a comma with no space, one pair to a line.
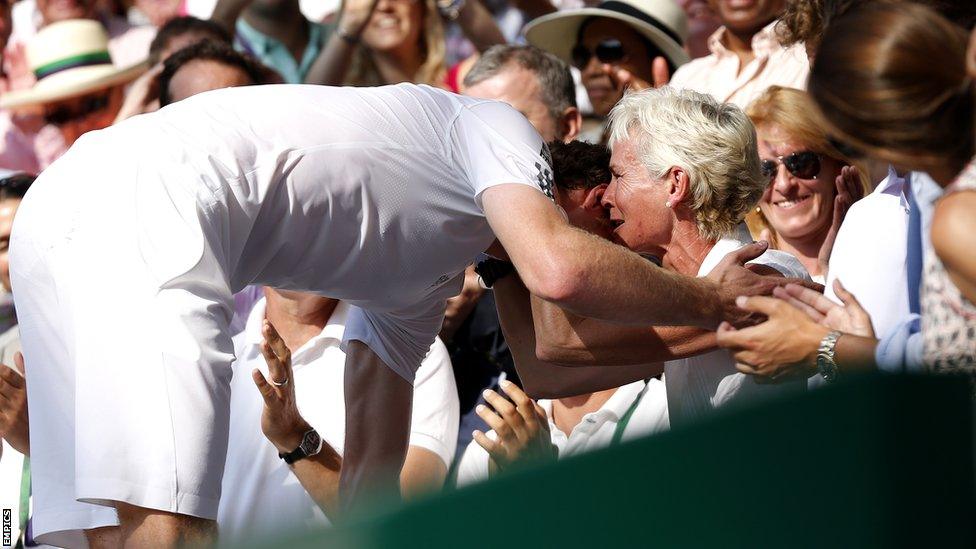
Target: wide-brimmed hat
[662,22]
[69,58]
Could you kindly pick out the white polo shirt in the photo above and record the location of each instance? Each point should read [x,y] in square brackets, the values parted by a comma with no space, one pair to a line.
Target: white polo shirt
[260,495]
[700,383]
[596,430]
[369,195]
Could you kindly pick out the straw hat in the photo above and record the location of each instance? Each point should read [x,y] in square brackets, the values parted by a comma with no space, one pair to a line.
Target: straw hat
[662,22]
[69,59]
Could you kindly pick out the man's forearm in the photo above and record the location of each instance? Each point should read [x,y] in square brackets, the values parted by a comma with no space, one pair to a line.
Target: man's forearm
[570,340]
[319,475]
[543,379]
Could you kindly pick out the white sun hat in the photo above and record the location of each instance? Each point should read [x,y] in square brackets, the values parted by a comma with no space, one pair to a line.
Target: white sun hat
[662,22]
[69,59]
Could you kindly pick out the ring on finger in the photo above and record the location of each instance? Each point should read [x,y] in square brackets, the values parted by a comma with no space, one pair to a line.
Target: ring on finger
[278,383]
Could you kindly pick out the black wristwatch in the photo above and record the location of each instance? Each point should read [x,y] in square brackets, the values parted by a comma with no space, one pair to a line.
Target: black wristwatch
[311,445]
[492,270]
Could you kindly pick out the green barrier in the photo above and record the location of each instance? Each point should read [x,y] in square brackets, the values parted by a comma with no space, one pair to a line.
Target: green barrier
[880,461]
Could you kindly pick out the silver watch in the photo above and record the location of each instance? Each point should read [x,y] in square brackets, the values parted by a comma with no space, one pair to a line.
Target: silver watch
[825,356]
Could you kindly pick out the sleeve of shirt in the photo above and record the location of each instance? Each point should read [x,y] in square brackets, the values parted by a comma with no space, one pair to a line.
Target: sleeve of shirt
[474,464]
[788,265]
[494,144]
[400,338]
[900,348]
[436,411]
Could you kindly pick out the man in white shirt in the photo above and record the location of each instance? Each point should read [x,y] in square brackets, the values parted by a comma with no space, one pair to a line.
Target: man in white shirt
[262,494]
[572,425]
[379,197]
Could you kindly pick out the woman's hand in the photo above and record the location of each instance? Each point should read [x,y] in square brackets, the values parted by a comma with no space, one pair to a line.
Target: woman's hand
[849,191]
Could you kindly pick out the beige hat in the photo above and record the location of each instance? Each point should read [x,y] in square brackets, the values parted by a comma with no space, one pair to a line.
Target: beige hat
[69,58]
[662,22]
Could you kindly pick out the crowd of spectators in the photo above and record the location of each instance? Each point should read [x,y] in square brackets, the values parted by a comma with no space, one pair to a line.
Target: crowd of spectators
[840,132]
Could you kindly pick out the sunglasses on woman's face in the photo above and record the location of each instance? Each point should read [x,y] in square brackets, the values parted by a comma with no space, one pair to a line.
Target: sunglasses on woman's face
[66,113]
[609,50]
[802,164]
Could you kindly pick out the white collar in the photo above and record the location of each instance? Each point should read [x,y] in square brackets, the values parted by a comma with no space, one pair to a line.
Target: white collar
[333,331]
[615,406]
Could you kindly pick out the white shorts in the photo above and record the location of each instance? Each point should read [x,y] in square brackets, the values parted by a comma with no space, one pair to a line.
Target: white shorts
[128,375]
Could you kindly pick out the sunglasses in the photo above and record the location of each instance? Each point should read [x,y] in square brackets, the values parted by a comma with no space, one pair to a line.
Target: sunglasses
[66,113]
[802,164]
[609,51]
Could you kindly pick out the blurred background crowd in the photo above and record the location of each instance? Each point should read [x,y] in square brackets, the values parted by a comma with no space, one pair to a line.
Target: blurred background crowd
[864,115]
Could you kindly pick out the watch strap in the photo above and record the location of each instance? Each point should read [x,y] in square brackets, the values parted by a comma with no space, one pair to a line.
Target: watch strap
[826,364]
[304,449]
[492,270]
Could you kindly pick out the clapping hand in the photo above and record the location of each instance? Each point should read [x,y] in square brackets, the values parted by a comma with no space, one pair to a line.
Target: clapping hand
[14,421]
[849,191]
[281,421]
[850,318]
[355,16]
[521,426]
[624,80]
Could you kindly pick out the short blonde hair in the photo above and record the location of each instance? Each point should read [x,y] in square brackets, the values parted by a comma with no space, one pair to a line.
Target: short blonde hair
[794,112]
[714,142]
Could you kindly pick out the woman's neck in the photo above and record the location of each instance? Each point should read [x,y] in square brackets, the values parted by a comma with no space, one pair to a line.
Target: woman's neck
[687,249]
[806,249]
[568,412]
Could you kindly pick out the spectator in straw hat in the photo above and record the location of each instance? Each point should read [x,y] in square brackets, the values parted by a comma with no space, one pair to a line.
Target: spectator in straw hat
[78,88]
[618,45]
[746,56]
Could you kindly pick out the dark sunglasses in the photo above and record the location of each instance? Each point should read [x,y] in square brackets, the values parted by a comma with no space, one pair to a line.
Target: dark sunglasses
[802,164]
[88,105]
[609,51]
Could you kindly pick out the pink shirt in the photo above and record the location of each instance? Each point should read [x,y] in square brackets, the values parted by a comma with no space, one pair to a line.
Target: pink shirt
[718,74]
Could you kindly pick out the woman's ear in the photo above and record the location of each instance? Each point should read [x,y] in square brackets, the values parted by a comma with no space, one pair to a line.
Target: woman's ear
[679,188]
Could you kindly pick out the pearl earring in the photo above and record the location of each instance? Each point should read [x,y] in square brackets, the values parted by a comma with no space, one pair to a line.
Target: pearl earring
[667,204]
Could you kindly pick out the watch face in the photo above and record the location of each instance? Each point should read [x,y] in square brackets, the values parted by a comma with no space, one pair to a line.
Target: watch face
[311,443]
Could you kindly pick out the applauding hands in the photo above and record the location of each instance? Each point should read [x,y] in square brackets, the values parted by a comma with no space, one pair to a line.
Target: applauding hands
[521,426]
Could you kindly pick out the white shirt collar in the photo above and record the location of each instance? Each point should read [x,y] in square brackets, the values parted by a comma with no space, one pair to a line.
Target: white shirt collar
[615,407]
[330,335]
[764,42]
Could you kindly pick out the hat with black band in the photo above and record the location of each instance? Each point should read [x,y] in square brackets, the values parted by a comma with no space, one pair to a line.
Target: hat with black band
[662,22]
[69,59]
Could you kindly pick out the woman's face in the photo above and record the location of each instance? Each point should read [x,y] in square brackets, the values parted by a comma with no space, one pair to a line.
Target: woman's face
[796,207]
[636,202]
[394,24]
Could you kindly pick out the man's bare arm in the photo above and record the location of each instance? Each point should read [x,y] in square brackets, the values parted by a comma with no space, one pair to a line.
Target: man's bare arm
[569,267]
[542,379]
[570,340]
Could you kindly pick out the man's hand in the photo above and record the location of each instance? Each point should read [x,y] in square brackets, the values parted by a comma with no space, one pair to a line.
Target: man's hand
[849,318]
[734,279]
[14,421]
[849,191]
[281,422]
[522,428]
[783,348]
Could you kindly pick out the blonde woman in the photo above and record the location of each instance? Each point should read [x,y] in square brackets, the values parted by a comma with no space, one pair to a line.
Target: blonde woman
[811,183]
[379,42]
